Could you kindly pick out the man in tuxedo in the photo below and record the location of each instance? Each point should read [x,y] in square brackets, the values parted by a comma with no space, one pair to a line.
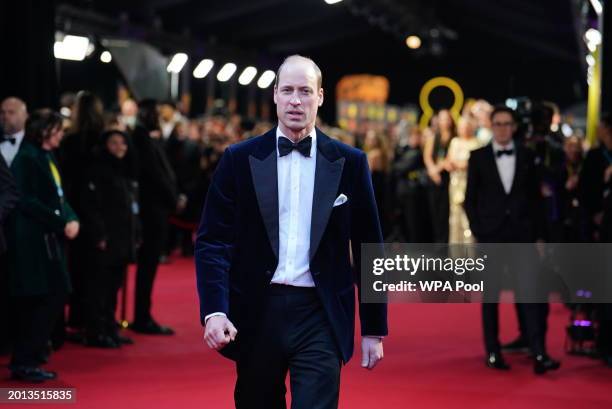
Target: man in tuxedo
[503,204]
[272,254]
[158,199]
[13,116]
[8,199]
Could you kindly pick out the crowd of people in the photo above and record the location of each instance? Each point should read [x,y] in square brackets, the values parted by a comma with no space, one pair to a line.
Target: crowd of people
[128,187]
[95,191]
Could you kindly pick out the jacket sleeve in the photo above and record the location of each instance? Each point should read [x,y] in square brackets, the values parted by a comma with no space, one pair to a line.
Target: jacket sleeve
[8,191]
[28,175]
[215,240]
[365,228]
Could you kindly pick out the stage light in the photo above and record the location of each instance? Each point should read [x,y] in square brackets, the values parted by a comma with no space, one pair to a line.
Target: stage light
[332,1]
[226,72]
[266,79]
[590,60]
[512,103]
[592,36]
[413,42]
[203,68]
[72,48]
[106,57]
[247,75]
[597,6]
[177,63]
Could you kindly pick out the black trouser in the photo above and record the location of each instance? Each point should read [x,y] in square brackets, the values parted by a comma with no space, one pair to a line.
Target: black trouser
[154,231]
[6,320]
[80,267]
[439,209]
[117,273]
[35,318]
[102,287]
[532,317]
[535,316]
[417,226]
[295,337]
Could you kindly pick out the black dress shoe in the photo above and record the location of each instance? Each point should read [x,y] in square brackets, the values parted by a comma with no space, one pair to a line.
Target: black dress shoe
[496,361]
[31,374]
[544,363]
[518,345]
[151,328]
[100,341]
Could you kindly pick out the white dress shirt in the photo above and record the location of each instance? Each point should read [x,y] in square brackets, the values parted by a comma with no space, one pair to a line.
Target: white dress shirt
[9,150]
[506,164]
[296,174]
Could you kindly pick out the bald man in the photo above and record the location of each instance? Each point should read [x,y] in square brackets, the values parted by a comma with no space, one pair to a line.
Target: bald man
[13,116]
[276,286]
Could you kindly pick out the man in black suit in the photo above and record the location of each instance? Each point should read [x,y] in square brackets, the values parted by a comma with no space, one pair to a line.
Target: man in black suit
[8,200]
[272,254]
[503,205]
[158,199]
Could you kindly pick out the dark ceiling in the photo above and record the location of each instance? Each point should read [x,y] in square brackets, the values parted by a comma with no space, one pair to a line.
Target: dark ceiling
[494,49]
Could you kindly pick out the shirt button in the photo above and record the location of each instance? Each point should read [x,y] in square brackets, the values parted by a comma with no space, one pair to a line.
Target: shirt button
[269,273]
[57,212]
[316,273]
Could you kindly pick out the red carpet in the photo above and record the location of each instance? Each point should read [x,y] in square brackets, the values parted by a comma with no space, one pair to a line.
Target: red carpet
[434,359]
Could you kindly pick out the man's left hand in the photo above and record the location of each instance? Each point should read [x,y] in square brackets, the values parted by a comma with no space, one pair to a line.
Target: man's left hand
[371,352]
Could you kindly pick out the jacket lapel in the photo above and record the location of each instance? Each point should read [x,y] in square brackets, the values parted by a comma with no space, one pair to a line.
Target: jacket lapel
[265,182]
[518,166]
[327,179]
[493,165]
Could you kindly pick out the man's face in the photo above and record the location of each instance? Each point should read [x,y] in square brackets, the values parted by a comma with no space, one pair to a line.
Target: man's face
[129,108]
[297,95]
[166,112]
[503,126]
[13,116]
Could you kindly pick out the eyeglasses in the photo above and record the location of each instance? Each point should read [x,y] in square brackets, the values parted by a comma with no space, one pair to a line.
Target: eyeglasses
[502,124]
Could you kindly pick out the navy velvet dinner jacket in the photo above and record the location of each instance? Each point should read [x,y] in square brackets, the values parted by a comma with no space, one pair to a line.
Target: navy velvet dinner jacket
[237,242]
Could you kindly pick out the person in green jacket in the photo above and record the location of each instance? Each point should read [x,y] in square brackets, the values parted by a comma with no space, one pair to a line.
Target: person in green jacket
[37,231]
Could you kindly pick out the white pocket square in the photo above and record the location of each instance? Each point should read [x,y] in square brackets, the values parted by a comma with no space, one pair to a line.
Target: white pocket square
[340,200]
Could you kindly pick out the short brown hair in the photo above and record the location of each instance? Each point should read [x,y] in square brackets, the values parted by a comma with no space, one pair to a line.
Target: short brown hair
[40,124]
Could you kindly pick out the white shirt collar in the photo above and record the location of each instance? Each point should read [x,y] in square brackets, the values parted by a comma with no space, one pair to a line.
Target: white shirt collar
[312,134]
[498,147]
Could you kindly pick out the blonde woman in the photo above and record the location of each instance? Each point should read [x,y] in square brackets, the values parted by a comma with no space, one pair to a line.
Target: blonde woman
[457,160]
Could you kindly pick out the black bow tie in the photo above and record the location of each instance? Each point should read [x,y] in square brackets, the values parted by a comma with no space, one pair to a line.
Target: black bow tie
[503,152]
[285,146]
[9,139]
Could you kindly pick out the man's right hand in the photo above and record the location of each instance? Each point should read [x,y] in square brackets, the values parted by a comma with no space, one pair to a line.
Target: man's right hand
[219,331]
